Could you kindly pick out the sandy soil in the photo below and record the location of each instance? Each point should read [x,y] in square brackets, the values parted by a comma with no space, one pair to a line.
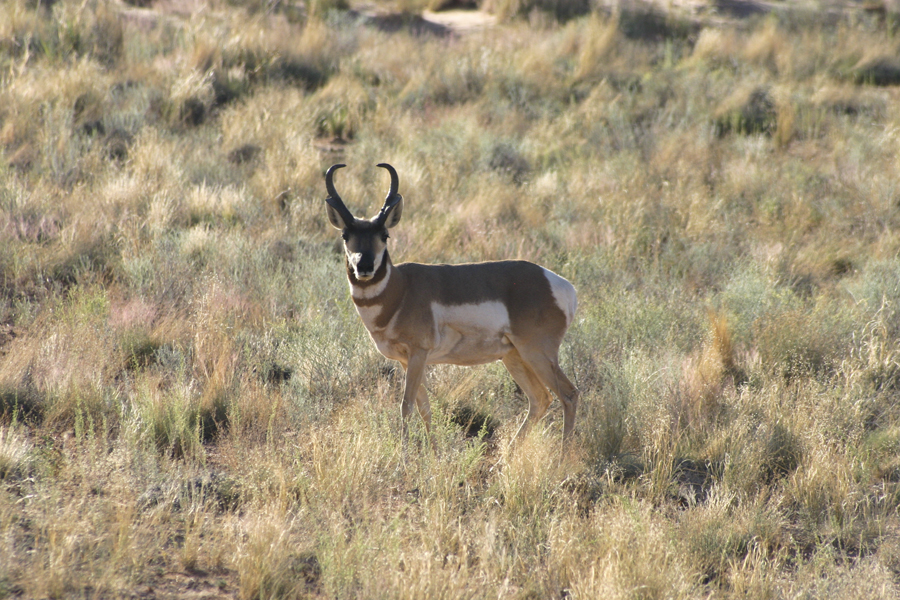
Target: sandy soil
[461,21]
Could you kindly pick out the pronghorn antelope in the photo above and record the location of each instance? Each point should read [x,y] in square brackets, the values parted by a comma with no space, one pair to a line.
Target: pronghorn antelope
[469,314]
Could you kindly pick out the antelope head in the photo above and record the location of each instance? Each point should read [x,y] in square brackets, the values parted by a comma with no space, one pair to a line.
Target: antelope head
[365,240]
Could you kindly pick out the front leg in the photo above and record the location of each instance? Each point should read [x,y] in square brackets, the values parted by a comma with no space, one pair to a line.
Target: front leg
[415,373]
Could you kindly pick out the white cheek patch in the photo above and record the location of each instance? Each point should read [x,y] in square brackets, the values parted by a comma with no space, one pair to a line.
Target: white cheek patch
[378,258]
[564,294]
[354,257]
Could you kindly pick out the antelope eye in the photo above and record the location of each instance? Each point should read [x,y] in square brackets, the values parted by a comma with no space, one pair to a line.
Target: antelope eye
[384,236]
[345,235]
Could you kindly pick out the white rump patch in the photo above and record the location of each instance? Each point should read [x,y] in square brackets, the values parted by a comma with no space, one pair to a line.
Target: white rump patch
[563,293]
[470,334]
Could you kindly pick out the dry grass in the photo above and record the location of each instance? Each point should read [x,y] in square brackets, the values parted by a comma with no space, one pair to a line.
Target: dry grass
[189,402]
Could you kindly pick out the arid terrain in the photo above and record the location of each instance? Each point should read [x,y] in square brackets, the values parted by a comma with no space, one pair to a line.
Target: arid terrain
[190,406]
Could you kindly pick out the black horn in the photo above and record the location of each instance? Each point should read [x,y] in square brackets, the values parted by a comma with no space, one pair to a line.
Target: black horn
[395,181]
[392,197]
[334,199]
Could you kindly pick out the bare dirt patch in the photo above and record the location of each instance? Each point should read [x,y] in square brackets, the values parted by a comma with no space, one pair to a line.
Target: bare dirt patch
[461,21]
[199,585]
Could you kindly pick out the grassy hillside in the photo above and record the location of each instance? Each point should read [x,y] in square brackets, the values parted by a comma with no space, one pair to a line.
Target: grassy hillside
[189,404]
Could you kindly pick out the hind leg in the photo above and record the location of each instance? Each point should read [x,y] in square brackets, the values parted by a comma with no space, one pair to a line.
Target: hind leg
[545,365]
[538,397]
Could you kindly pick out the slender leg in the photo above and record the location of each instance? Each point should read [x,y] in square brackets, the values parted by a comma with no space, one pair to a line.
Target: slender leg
[547,370]
[424,407]
[538,397]
[415,371]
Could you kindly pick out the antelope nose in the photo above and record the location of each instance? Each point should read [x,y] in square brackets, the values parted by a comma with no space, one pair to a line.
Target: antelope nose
[366,266]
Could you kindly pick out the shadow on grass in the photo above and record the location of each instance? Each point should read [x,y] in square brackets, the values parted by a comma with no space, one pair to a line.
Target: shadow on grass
[474,422]
[20,404]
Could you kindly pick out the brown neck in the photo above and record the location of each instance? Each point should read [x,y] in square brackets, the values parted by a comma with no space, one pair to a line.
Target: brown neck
[389,299]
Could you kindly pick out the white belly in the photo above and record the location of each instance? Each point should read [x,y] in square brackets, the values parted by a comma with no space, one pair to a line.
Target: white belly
[464,334]
[469,334]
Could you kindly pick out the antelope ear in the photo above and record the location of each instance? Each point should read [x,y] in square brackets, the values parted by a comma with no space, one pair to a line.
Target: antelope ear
[393,211]
[334,216]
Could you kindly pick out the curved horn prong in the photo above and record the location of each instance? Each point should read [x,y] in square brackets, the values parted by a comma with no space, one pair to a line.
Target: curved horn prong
[329,183]
[334,199]
[395,181]
[392,197]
